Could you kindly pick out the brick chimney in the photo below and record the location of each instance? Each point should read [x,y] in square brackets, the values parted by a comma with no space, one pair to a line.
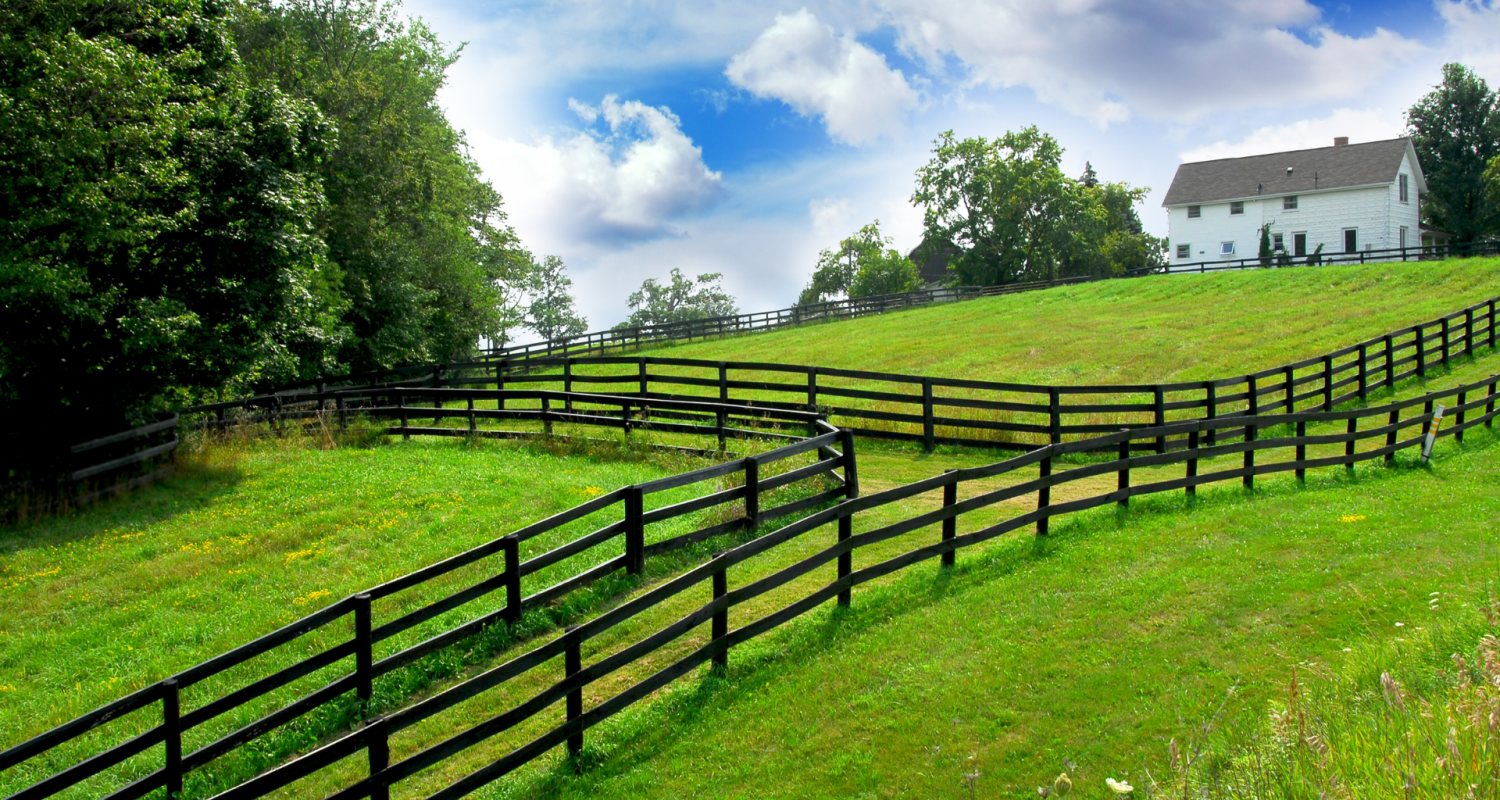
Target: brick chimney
[1340,141]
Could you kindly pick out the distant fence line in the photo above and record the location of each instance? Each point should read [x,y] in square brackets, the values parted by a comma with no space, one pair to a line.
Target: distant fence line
[89,463]
[627,534]
[634,337]
[1392,432]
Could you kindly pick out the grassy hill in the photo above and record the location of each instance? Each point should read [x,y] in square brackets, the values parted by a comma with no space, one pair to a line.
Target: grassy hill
[1160,328]
[1083,653]
[1091,645]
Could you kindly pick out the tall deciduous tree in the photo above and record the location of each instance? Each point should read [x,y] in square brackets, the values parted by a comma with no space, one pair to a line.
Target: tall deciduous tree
[679,299]
[157,222]
[1455,130]
[1012,215]
[865,264]
[551,313]
[420,238]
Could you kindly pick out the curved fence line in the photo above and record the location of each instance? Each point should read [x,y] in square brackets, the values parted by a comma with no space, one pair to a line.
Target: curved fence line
[627,535]
[976,413]
[562,656]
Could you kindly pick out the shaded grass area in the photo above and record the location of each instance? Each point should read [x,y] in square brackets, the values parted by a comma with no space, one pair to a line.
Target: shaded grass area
[1158,328]
[253,534]
[1084,652]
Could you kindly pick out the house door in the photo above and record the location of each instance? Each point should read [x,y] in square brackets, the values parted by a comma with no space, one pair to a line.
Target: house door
[1299,244]
[1351,241]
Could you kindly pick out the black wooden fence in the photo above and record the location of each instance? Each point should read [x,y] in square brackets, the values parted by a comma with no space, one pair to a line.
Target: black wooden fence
[626,535]
[1426,252]
[95,468]
[1368,433]
[934,410]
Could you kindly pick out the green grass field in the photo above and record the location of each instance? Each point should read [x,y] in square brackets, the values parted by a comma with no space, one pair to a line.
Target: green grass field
[1093,647]
[1162,328]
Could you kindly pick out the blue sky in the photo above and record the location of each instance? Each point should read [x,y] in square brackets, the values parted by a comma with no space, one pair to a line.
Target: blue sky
[633,136]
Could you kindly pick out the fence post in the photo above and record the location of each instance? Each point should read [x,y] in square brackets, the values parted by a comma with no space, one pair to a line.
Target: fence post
[1252,394]
[1249,478]
[1301,450]
[1421,353]
[723,382]
[1054,415]
[1124,471]
[471,414]
[1192,462]
[1469,331]
[379,752]
[343,420]
[846,559]
[1289,375]
[364,654]
[547,415]
[572,665]
[1492,324]
[1351,429]
[500,383]
[928,435]
[1390,436]
[1445,341]
[1458,419]
[721,616]
[171,713]
[1160,417]
[642,391]
[950,525]
[568,384]
[1364,374]
[1044,493]
[812,388]
[851,467]
[635,530]
[1489,408]
[1390,362]
[752,491]
[512,546]
[1213,408]
[1327,383]
[401,406]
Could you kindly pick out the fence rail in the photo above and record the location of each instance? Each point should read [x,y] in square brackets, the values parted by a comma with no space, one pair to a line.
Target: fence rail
[96,459]
[1280,258]
[623,544]
[1395,428]
[995,414]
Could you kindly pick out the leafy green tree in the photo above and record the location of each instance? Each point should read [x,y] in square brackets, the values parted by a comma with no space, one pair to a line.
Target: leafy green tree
[158,224]
[1455,130]
[420,238]
[864,265]
[1265,253]
[1013,216]
[680,299]
[551,313]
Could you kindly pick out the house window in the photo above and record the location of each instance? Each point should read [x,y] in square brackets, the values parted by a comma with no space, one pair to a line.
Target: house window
[1195,212]
[1237,207]
[1351,240]
[1276,242]
[1289,203]
[1403,189]
[1226,248]
[1186,250]
[1299,244]
[1403,233]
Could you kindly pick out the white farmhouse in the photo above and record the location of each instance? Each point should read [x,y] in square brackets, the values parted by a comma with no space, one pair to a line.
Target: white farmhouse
[1348,198]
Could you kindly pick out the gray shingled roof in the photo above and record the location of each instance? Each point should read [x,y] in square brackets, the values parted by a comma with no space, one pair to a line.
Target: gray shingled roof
[1322,168]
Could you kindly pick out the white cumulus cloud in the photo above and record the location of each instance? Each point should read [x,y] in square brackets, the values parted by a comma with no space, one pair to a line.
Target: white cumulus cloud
[627,181]
[1172,60]
[1360,125]
[1473,35]
[803,63]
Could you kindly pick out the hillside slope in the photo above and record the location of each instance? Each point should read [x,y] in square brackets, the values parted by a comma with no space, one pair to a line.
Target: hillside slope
[1159,328]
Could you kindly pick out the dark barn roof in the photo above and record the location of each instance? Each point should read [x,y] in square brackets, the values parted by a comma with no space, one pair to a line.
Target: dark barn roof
[1335,167]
